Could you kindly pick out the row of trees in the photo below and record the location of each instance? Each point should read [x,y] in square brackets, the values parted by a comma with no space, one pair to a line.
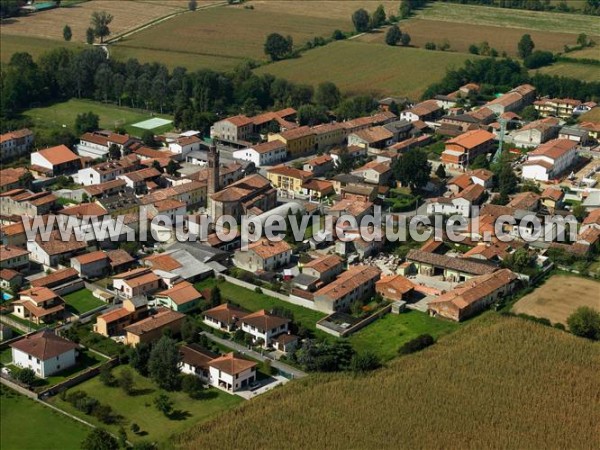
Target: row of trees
[590,7]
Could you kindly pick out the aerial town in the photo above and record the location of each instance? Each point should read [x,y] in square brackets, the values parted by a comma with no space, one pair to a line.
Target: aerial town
[197,273]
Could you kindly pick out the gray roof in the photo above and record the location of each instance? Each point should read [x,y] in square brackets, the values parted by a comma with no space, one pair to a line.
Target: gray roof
[304,280]
[398,126]
[203,253]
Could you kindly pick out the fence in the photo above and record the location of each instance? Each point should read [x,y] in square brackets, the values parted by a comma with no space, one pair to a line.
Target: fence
[77,379]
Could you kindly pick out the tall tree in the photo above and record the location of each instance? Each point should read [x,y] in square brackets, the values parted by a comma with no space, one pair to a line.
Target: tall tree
[100,22]
[378,18]
[311,115]
[85,122]
[405,39]
[90,35]
[525,46]
[163,362]
[413,169]
[361,20]
[99,439]
[277,46]
[585,322]
[327,94]
[393,35]
[67,33]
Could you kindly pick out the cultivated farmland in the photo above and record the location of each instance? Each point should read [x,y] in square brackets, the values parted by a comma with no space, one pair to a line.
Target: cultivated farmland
[32,45]
[330,9]
[587,53]
[462,35]
[359,67]
[559,297]
[584,72]
[499,382]
[512,18]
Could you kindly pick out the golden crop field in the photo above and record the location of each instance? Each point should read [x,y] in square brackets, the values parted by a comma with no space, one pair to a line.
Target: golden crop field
[587,53]
[584,72]
[362,68]
[559,297]
[462,35]
[499,382]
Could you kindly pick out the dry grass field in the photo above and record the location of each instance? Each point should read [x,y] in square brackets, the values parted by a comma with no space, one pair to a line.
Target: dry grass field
[49,24]
[326,9]
[462,35]
[583,72]
[358,67]
[591,116]
[559,297]
[499,382]
[589,53]
[512,18]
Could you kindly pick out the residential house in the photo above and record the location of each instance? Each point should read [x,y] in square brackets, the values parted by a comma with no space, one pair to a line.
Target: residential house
[60,281]
[183,297]
[138,180]
[15,143]
[136,282]
[514,100]
[525,201]
[274,121]
[329,135]
[473,296]
[319,166]
[263,327]
[224,317]
[357,283]
[325,268]
[400,129]
[461,203]
[575,134]
[374,172]
[352,207]
[14,178]
[234,129]
[55,250]
[536,133]
[119,204]
[45,353]
[185,144]
[113,323]
[13,235]
[152,328]
[168,208]
[372,138]
[286,343]
[55,161]
[316,190]
[462,150]
[10,280]
[91,265]
[108,189]
[263,255]
[550,160]
[394,287]
[97,144]
[552,198]
[299,141]
[265,154]
[83,210]
[40,305]
[21,202]
[556,107]
[13,258]
[107,171]
[427,111]
[287,179]
[453,269]
[228,372]
[353,152]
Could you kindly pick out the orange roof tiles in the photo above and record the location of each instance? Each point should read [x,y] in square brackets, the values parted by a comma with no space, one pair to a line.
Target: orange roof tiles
[58,155]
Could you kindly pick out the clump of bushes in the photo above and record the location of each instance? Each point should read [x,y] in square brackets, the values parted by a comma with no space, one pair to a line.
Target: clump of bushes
[90,406]
[416,344]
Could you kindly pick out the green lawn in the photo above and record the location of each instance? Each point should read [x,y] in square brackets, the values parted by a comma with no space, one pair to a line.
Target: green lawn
[139,408]
[82,301]
[26,322]
[53,117]
[28,425]
[364,68]
[253,301]
[387,334]
[6,356]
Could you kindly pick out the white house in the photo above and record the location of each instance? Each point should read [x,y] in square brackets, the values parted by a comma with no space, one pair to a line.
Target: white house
[97,144]
[55,161]
[374,172]
[264,326]
[263,255]
[536,133]
[550,160]
[228,372]
[185,144]
[15,143]
[106,171]
[265,154]
[44,352]
[461,203]
[223,317]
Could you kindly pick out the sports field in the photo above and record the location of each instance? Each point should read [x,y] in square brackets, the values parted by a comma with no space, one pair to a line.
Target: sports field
[512,18]
[359,67]
[559,297]
[584,72]
[462,35]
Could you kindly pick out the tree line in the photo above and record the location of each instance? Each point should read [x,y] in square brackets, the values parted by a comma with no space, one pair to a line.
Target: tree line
[591,6]
[504,74]
[196,99]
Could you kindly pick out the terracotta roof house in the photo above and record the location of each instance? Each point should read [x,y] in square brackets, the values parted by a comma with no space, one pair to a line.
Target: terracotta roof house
[182,297]
[394,287]
[263,154]
[325,268]
[22,202]
[529,201]
[457,269]
[473,296]
[550,160]
[353,207]
[319,165]
[253,191]
[374,172]
[57,278]
[233,129]
[263,327]
[224,317]
[151,328]
[56,249]
[195,361]
[10,279]
[231,372]
[91,265]
[39,304]
[537,132]
[114,322]
[13,258]
[136,282]
[425,111]
[15,143]
[317,189]
[44,352]
[287,178]
[56,161]
[263,255]
[372,138]
[13,178]
[462,150]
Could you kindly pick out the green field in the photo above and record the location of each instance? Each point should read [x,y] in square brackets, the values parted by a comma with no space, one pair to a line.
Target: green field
[498,382]
[253,301]
[138,408]
[59,115]
[387,334]
[584,72]
[27,425]
[359,67]
[82,301]
[513,18]
[35,46]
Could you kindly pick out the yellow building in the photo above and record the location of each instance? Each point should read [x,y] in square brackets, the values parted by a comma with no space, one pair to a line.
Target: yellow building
[287,178]
[299,141]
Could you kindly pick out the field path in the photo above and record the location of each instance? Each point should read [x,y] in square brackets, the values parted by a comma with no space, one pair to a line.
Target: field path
[160,20]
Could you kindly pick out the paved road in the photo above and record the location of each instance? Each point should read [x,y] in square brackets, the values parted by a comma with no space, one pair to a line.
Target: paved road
[296,373]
